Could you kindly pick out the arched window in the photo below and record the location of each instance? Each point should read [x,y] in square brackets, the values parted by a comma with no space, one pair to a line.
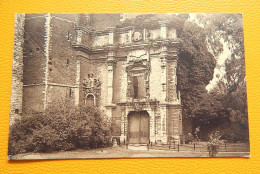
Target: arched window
[90,100]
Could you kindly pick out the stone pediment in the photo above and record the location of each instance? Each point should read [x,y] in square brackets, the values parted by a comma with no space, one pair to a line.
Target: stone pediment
[138,67]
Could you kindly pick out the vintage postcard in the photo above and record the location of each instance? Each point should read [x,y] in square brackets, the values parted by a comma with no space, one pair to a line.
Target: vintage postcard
[128,86]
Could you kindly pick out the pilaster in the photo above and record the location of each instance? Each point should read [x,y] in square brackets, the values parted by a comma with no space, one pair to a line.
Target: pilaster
[78,36]
[163,135]
[152,113]
[123,125]
[111,35]
[163,29]
[163,73]
[110,76]
[110,80]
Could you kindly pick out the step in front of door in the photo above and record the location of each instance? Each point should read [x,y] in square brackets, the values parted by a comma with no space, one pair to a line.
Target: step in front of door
[137,147]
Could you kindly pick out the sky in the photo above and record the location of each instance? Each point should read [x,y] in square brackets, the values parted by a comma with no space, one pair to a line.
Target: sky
[220,69]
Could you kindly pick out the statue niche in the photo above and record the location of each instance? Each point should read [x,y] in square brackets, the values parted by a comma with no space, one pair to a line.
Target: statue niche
[91,88]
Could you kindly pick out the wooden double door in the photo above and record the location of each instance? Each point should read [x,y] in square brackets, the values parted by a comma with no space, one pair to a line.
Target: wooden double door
[138,127]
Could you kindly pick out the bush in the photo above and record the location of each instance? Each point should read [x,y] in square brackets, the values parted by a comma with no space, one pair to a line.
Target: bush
[213,144]
[64,128]
[189,138]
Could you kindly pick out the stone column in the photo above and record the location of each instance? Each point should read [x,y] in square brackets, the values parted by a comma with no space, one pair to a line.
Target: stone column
[145,34]
[172,81]
[175,80]
[110,66]
[163,55]
[110,79]
[164,85]
[110,76]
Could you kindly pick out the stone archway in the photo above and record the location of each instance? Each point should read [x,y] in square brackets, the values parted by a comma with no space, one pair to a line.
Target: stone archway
[138,127]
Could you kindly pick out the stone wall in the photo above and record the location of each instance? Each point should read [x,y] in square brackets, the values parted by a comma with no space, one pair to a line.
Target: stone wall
[120,82]
[48,51]
[33,98]
[34,49]
[17,74]
[62,61]
[174,122]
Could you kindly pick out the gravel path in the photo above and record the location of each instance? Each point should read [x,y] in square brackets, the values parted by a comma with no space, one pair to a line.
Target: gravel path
[121,152]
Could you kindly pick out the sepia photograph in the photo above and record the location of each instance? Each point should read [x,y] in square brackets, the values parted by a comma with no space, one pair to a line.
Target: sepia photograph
[128,85]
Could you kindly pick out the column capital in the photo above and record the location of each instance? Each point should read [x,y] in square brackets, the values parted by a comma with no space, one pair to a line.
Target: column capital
[111,29]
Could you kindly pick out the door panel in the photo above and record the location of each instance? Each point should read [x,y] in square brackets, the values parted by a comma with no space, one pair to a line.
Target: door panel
[138,128]
[134,125]
[144,128]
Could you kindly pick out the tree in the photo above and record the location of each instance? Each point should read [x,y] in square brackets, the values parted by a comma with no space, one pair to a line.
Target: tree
[228,29]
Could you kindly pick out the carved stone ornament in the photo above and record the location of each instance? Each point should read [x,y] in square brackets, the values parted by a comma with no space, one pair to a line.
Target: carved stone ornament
[137,106]
[137,36]
[91,82]
[92,85]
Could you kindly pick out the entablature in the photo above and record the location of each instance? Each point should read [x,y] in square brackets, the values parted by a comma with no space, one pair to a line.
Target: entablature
[131,46]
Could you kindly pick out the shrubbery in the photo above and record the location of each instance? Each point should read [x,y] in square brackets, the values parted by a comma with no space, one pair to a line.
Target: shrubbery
[64,128]
[213,144]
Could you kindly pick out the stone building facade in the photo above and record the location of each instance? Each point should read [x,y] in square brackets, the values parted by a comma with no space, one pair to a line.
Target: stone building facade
[128,72]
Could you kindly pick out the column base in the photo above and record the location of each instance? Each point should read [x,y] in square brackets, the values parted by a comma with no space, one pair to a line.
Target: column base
[161,139]
[123,139]
[152,139]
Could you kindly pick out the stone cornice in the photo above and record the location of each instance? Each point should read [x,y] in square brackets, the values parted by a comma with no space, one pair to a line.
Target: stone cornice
[103,59]
[171,105]
[110,106]
[131,46]
[51,84]
[93,32]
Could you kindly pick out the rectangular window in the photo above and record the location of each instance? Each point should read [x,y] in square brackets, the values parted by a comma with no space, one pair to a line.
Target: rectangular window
[71,92]
[138,87]
[68,63]
[68,35]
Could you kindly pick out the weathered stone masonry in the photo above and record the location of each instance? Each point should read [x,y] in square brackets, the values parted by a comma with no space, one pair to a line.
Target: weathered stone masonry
[129,73]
